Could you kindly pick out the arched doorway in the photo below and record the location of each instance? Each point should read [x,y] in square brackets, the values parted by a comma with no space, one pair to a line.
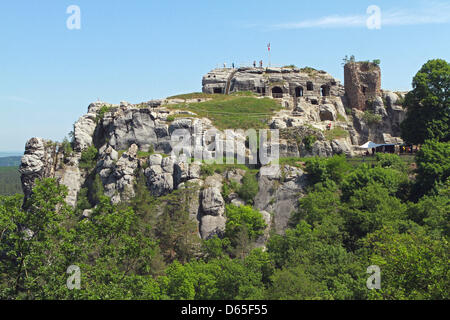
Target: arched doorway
[277,92]
[298,92]
[324,90]
[309,86]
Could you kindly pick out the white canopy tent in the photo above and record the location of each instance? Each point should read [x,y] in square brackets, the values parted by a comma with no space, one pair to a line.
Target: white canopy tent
[369,145]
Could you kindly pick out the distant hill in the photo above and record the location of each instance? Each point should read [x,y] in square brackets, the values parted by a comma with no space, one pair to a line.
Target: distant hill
[11,154]
[13,161]
[10,181]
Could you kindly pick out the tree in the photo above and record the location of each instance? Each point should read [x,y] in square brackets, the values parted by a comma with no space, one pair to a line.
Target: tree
[433,166]
[413,265]
[32,242]
[243,217]
[249,188]
[428,104]
[176,231]
[433,212]
[320,169]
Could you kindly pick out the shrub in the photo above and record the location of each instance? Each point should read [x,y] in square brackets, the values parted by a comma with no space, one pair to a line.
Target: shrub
[88,157]
[322,169]
[101,113]
[66,147]
[308,141]
[388,160]
[249,188]
[244,216]
[371,118]
[360,178]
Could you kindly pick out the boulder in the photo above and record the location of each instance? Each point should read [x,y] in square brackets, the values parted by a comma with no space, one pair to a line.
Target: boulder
[180,170]
[211,226]
[194,170]
[212,202]
[84,130]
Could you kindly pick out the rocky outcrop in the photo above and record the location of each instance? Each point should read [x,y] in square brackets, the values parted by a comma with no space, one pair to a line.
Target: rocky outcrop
[118,178]
[292,82]
[327,112]
[279,190]
[84,130]
[38,162]
[213,208]
[125,134]
[160,175]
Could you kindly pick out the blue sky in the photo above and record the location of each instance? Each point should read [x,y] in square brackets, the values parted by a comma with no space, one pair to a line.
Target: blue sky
[139,50]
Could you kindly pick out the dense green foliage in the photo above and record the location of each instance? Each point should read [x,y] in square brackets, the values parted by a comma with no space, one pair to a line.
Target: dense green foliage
[148,248]
[249,188]
[10,181]
[428,115]
[433,166]
[88,158]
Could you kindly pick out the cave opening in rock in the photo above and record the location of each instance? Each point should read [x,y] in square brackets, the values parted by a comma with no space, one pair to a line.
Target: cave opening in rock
[309,86]
[299,92]
[325,90]
[277,92]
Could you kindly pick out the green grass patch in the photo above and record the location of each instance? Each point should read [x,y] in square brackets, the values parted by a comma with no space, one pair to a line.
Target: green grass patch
[340,117]
[243,94]
[207,170]
[336,133]
[195,95]
[234,111]
[292,161]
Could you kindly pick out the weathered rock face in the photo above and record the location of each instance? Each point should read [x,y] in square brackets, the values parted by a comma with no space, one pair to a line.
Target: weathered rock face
[387,125]
[279,193]
[276,82]
[43,160]
[327,112]
[362,82]
[216,80]
[37,162]
[212,208]
[83,131]
[118,178]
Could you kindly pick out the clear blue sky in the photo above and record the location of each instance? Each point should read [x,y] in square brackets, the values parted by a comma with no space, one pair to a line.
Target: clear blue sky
[139,50]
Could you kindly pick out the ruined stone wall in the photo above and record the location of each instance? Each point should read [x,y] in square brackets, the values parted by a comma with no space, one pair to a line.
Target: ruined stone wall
[362,81]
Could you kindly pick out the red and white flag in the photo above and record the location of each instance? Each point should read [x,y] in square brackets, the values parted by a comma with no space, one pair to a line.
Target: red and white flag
[268,46]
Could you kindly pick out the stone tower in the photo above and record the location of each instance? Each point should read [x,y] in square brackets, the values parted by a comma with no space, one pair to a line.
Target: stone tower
[362,81]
